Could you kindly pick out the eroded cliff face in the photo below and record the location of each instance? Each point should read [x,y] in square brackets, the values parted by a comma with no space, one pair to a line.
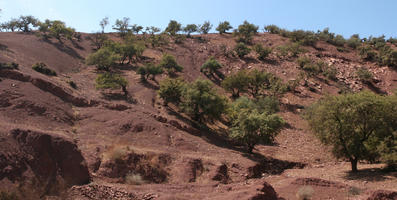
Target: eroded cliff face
[40,164]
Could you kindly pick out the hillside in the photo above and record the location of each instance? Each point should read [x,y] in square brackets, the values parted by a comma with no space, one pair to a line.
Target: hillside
[95,142]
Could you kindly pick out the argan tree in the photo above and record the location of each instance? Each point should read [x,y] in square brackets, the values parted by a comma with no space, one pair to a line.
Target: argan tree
[25,23]
[241,50]
[103,23]
[353,124]
[245,32]
[206,27]
[171,90]
[103,59]
[111,81]
[122,26]
[236,83]
[190,28]
[253,124]
[169,63]
[150,71]
[223,27]
[201,101]
[173,27]
[211,66]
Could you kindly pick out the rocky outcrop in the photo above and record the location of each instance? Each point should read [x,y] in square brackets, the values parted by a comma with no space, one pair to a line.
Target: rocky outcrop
[40,163]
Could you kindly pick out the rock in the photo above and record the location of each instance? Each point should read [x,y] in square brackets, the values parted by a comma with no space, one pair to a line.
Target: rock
[383,195]
[268,193]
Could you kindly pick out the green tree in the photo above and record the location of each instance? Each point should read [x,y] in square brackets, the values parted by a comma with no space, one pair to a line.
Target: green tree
[103,59]
[26,22]
[364,75]
[122,26]
[169,63]
[136,28]
[56,29]
[171,90]
[258,81]
[245,32]
[241,50]
[353,124]
[201,101]
[173,27]
[211,66]
[190,28]
[111,81]
[150,70]
[223,27]
[103,23]
[11,25]
[206,27]
[253,124]
[236,83]
[263,52]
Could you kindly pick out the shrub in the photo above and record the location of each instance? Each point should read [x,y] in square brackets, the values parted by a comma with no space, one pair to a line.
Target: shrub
[169,63]
[245,32]
[133,179]
[335,119]
[392,40]
[42,68]
[11,65]
[387,56]
[223,27]
[290,50]
[364,75]
[72,84]
[338,40]
[258,81]
[150,70]
[111,81]
[190,28]
[173,27]
[241,50]
[236,83]
[330,72]
[354,41]
[205,28]
[263,52]
[211,66]
[252,124]
[377,42]
[171,90]
[273,29]
[307,38]
[103,59]
[367,53]
[201,101]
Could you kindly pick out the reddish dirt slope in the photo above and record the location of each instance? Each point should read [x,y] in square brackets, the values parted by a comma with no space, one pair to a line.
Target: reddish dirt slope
[119,139]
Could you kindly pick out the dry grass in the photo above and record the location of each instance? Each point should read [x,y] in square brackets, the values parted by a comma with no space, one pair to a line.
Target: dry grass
[305,193]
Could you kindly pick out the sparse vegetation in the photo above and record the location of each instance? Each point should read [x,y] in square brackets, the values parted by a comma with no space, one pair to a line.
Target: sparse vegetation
[242,50]
[171,90]
[150,70]
[223,27]
[11,65]
[364,75]
[263,52]
[42,68]
[168,62]
[210,67]
[103,59]
[111,81]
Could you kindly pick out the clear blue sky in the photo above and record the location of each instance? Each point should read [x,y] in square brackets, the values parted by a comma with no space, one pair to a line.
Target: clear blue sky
[346,17]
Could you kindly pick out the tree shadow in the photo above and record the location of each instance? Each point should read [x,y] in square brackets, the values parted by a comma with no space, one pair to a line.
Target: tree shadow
[149,85]
[62,47]
[371,174]
[375,89]
[119,97]
[249,60]
[271,61]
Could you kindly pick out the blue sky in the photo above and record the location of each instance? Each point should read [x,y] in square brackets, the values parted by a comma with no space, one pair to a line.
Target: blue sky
[346,17]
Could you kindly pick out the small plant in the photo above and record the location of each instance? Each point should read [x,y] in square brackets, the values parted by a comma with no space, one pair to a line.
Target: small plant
[290,50]
[330,72]
[305,193]
[242,50]
[72,84]
[263,52]
[364,75]
[134,179]
[116,153]
[42,68]
[211,66]
[11,65]
[354,41]
[367,53]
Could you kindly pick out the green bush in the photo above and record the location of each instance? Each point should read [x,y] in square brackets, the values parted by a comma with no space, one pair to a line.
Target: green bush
[11,65]
[354,41]
[211,66]
[367,53]
[364,75]
[245,32]
[201,101]
[335,119]
[149,70]
[42,68]
[190,28]
[223,27]
[290,50]
[171,90]
[330,72]
[258,81]
[241,50]
[236,83]
[111,81]
[273,29]
[169,63]
[253,124]
[307,38]
[103,59]
[263,52]
[173,27]
[205,28]
[392,40]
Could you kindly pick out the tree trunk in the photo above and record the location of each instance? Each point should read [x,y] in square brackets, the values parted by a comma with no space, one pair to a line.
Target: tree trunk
[124,88]
[354,164]
[250,148]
